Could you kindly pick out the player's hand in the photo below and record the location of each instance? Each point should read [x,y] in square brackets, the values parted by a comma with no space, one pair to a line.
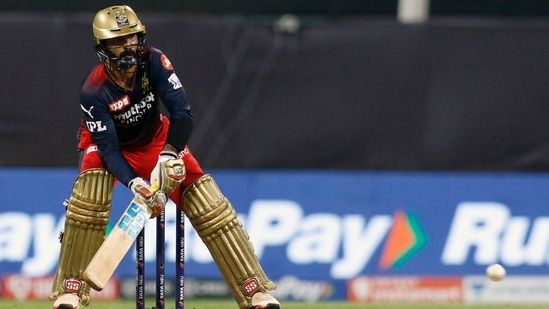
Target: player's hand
[157,203]
[154,198]
[169,171]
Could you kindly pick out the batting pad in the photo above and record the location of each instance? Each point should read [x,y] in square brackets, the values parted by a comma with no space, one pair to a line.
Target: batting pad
[215,220]
[86,222]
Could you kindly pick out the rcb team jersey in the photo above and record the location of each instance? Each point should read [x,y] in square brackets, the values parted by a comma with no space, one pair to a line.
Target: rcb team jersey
[116,119]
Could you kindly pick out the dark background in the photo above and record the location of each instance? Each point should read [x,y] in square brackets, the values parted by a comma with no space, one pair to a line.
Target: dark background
[353,89]
[514,8]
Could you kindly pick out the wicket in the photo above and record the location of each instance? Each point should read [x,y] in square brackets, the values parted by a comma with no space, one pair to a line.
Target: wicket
[160,263]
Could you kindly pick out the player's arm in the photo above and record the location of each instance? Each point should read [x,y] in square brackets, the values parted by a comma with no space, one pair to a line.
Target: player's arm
[102,128]
[170,170]
[99,123]
[173,96]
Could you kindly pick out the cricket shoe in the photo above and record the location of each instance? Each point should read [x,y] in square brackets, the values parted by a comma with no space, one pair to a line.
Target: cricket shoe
[264,300]
[67,301]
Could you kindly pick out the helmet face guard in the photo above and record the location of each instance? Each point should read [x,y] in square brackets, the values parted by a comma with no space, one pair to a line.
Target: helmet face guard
[114,22]
[127,59]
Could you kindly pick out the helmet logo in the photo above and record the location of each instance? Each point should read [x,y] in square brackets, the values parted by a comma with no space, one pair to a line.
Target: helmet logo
[121,18]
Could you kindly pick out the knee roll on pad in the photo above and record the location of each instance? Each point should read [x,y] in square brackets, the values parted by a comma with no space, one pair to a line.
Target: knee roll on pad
[86,220]
[215,221]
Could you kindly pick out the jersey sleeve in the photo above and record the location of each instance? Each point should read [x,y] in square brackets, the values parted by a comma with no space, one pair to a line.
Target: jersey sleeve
[173,96]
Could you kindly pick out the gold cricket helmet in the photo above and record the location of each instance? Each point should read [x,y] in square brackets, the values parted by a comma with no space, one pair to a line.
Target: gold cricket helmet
[116,21]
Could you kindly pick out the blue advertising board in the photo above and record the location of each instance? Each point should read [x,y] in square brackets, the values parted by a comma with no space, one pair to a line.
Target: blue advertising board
[318,225]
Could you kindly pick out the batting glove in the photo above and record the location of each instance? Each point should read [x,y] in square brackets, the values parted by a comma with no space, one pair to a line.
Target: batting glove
[169,172]
[154,198]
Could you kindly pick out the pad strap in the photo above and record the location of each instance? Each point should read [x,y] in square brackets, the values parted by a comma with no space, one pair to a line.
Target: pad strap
[215,220]
[86,220]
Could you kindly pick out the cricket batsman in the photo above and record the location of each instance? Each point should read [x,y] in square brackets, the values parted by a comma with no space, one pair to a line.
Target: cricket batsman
[124,137]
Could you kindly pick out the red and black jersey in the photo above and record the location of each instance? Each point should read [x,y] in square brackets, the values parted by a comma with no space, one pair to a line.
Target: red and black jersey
[116,118]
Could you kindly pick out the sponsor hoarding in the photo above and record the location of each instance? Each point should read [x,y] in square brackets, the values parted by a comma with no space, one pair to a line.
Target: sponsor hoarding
[511,290]
[19,287]
[456,289]
[406,289]
[318,226]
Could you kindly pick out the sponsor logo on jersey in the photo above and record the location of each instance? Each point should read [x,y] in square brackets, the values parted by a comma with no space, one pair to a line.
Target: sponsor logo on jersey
[91,149]
[183,153]
[87,111]
[119,104]
[166,62]
[176,84]
[96,126]
[145,83]
[136,112]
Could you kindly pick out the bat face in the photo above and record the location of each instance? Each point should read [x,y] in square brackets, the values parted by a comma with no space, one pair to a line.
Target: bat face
[133,220]
[117,244]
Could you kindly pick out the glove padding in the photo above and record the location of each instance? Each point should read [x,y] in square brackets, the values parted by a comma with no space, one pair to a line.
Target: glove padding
[153,197]
[169,172]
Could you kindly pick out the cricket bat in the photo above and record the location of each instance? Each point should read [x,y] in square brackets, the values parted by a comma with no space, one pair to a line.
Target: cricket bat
[117,244]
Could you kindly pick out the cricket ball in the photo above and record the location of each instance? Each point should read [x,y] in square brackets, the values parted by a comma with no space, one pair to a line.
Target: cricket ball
[495,272]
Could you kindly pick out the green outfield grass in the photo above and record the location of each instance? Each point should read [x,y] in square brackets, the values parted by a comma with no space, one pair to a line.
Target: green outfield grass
[218,304]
